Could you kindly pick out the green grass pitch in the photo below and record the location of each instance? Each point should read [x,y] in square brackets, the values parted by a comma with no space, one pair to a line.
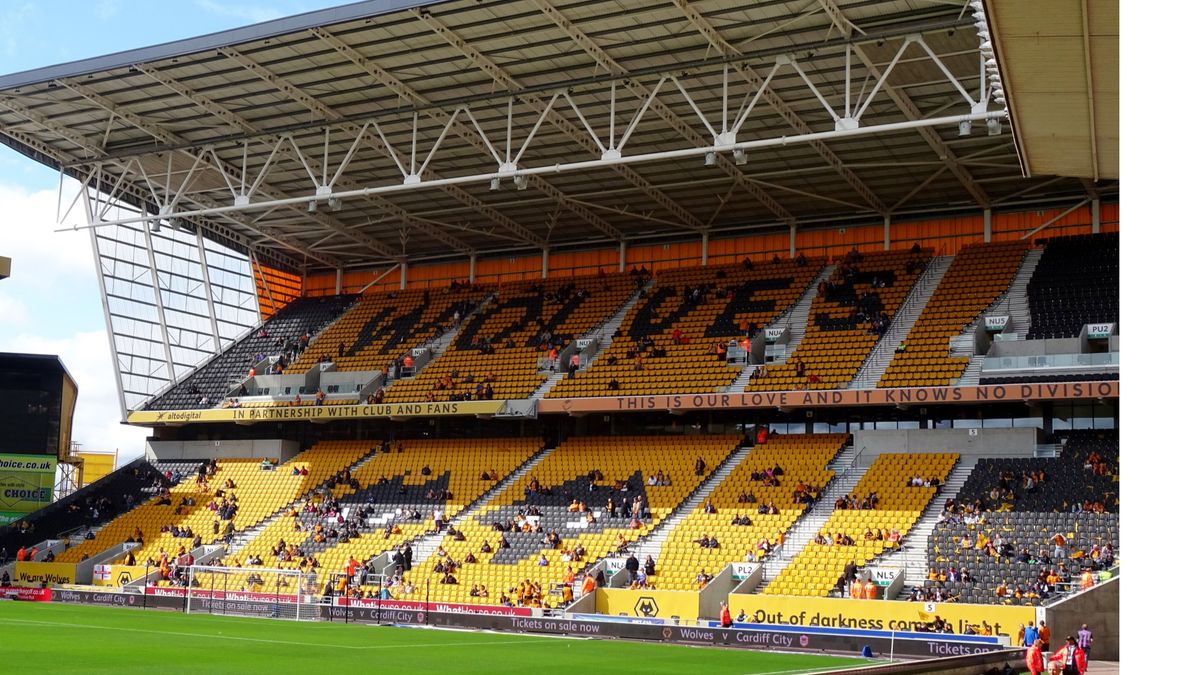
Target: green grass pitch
[83,639]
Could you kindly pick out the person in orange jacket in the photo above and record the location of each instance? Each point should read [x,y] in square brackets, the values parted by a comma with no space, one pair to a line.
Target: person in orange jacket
[1071,658]
[868,590]
[856,589]
[1033,659]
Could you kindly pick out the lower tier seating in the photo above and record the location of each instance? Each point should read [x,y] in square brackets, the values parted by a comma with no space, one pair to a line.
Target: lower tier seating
[587,499]
[393,497]
[230,495]
[749,512]
[895,505]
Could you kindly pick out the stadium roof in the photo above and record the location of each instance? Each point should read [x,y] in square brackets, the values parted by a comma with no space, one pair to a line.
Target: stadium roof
[295,138]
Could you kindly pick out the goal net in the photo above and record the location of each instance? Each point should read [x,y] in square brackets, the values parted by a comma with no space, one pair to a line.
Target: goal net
[251,591]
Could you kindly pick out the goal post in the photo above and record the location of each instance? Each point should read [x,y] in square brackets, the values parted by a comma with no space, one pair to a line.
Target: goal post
[250,591]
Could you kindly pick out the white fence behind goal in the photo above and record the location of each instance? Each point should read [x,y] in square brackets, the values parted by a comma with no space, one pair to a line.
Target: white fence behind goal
[252,591]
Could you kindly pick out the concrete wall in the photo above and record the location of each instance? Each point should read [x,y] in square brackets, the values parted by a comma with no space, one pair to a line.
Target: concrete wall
[1100,608]
[990,442]
[716,592]
[276,449]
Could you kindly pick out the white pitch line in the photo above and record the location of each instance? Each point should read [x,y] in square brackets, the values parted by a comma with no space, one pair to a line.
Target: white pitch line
[268,641]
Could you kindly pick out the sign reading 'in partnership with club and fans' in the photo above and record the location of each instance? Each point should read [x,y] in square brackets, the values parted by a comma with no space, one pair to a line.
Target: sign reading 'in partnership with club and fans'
[26,484]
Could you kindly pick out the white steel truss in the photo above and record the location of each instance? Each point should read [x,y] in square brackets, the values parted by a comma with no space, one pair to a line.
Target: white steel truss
[239,178]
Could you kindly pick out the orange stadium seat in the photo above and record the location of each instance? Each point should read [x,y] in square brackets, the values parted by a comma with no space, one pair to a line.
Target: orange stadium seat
[835,341]
[977,276]
[816,569]
[734,300]
[513,325]
[803,460]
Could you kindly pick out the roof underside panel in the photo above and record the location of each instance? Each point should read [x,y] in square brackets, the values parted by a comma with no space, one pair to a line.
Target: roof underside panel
[331,98]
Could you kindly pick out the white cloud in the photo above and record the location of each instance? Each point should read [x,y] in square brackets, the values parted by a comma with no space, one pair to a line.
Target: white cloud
[50,305]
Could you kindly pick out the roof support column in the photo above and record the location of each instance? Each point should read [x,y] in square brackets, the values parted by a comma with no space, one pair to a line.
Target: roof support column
[471,268]
[404,275]
[1095,216]
[158,302]
[887,232]
[987,225]
[337,283]
[112,339]
[208,292]
[545,262]
[792,239]
[621,250]
[704,248]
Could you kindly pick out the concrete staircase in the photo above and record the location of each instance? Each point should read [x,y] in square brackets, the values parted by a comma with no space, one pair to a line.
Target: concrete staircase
[912,553]
[849,470]
[970,376]
[1016,302]
[425,545]
[652,544]
[885,349]
[795,319]
[602,332]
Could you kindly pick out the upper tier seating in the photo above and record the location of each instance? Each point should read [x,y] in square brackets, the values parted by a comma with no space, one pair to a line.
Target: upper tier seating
[212,381]
[802,460]
[627,461]
[978,275]
[501,347]
[256,492]
[97,503]
[376,501]
[383,327]
[819,567]
[1076,282]
[707,306]
[845,320]
[1017,520]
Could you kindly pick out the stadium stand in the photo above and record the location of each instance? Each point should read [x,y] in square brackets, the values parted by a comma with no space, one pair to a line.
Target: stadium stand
[667,343]
[771,488]
[567,495]
[851,311]
[978,275]
[388,500]
[895,505]
[506,349]
[282,333]
[382,327]
[1076,283]
[1022,531]
[97,503]
[240,494]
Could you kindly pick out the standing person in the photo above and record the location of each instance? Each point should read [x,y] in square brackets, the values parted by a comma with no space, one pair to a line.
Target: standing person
[1034,662]
[1029,636]
[1043,632]
[1071,657]
[1085,640]
[726,617]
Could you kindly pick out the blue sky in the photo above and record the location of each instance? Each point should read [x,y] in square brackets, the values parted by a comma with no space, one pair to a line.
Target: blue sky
[51,304]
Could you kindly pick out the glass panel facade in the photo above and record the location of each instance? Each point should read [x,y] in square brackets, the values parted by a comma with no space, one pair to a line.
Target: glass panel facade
[145,349]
